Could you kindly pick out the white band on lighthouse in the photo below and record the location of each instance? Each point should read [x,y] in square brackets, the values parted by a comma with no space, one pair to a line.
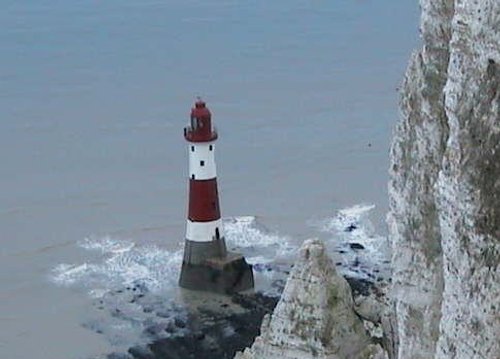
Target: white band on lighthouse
[202,161]
[204,231]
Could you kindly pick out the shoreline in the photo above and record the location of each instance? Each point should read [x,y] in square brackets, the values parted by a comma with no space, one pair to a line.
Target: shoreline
[216,327]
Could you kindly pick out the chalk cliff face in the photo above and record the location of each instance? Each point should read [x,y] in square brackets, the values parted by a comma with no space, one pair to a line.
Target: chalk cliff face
[444,219]
[314,317]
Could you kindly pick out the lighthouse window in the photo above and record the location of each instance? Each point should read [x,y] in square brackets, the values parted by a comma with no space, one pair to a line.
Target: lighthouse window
[202,163]
[192,148]
[211,147]
[217,234]
[192,176]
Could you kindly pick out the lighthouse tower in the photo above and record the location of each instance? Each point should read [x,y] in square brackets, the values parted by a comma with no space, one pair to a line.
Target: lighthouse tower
[207,265]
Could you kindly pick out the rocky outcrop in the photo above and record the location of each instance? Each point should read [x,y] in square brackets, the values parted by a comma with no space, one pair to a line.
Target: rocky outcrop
[444,219]
[417,151]
[314,317]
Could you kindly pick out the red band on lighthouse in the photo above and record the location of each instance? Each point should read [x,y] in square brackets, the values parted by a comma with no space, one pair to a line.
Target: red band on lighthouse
[203,201]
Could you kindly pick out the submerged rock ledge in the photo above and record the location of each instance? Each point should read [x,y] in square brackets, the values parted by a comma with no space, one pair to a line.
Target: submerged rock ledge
[316,305]
[215,328]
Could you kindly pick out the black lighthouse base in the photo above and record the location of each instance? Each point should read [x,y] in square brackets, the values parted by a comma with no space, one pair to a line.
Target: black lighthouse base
[228,274]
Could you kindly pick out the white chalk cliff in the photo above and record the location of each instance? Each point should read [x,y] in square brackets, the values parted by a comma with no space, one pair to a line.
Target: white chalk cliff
[314,317]
[444,219]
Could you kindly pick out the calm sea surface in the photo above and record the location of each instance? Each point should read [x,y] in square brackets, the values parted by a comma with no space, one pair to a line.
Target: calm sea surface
[93,99]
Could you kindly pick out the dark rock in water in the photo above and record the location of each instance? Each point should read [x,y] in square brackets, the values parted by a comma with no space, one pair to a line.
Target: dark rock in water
[360,286]
[255,302]
[163,314]
[141,352]
[351,227]
[170,328]
[212,333]
[118,356]
[179,323]
[156,329]
[199,336]
[356,246]
[147,309]
[141,287]
[262,267]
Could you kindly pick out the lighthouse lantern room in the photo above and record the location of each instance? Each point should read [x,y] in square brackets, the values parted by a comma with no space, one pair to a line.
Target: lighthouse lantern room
[207,265]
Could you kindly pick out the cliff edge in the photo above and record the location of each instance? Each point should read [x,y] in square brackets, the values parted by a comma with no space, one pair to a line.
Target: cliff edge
[444,219]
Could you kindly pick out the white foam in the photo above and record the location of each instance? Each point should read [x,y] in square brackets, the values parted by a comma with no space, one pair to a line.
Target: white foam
[352,225]
[106,244]
[246,233]
[97,293]
[122,264]
[259,260]
[345,217]
[67,274]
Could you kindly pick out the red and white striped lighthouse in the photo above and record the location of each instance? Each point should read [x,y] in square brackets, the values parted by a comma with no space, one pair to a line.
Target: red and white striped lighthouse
[207,265]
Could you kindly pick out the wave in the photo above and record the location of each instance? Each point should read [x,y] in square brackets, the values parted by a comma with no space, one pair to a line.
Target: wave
[363,253]
[123,262]
[246,234]
[133,286]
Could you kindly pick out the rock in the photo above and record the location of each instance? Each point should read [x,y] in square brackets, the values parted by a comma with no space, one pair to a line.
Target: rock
[356,246]
[170,328]
[206,330]
[118,356]
[314,317]
[199,336]
[351,227]
[179,323]
[360,286]
[155,329]
[141,352]
[374,351]
[444,219]
[369,308]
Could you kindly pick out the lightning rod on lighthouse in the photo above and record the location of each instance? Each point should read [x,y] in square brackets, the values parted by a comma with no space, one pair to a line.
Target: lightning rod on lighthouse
[207,264]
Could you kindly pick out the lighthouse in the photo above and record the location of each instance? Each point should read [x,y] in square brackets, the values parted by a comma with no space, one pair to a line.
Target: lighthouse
[207,264]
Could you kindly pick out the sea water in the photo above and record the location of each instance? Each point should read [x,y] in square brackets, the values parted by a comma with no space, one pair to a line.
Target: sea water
[93,99]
